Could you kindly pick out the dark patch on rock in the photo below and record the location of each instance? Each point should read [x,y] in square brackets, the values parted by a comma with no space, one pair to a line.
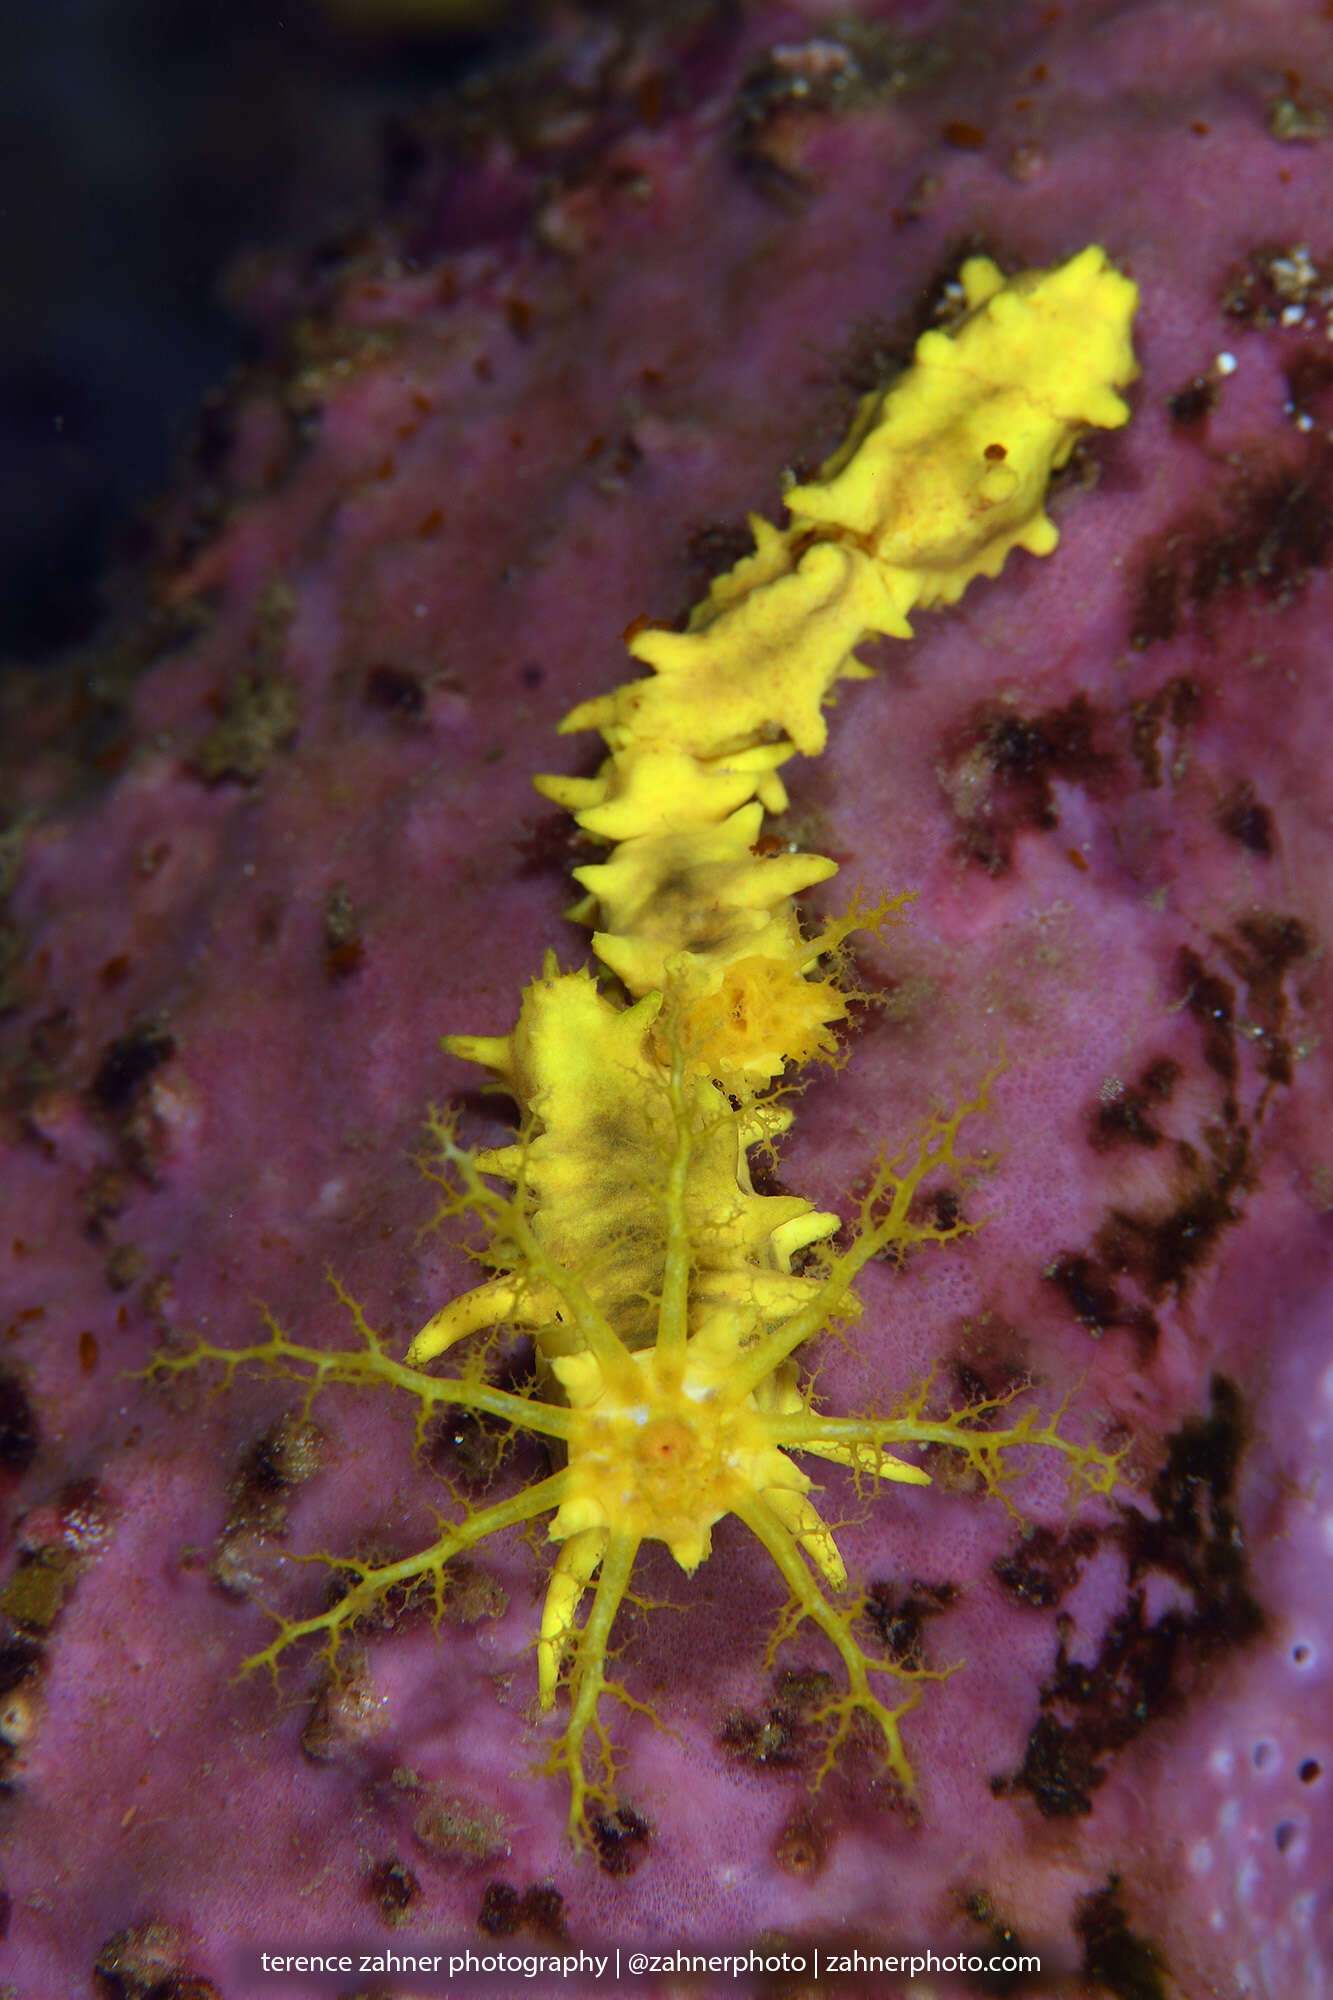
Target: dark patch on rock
[1309,376]
[126,1065]
[1161,1248]
[1190,406]
[344,948]
[1002,765]
[1263,947]
[19,1433]
[102,1197]
[802,1845]
[282,1458]
[989,1375]
[1045,1564]
[793,87]
[1244,818]
[499,1912]
[1162,1252]
[504,1912]
[147,1963]
[23,1663]
[460,1829]
[51,1040]
[874,353]
[1127,1117]
[620,1841]
[35,1594]
[463,1444]
[1272,279]
[554,844]
[1114,1957]
[1094,1300]
[258,716]
[124,1265]
[393,1889]
[1266,536]
[1142,1671]
[1004,1940]
[783,1736]
[394,691]
[119,1092]
[543,1910]
[715,548]
[1176,705]
[943,1208]
[898,1617]
[1212,1003]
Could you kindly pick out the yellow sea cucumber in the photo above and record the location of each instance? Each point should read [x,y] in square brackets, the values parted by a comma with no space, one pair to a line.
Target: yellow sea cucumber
[624,1233]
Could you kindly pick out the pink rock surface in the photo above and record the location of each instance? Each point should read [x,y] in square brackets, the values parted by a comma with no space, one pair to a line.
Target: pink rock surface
[533,404]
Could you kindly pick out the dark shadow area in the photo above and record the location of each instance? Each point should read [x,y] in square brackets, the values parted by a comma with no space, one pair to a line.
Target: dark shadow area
[146,145]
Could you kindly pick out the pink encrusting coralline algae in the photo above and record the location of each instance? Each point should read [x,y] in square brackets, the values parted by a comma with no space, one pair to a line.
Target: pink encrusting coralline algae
[282,837]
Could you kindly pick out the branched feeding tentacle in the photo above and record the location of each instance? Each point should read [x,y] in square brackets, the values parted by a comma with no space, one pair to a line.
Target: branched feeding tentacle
[375,1580]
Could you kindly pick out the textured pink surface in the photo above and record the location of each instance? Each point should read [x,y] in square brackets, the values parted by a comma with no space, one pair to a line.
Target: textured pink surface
[511,415]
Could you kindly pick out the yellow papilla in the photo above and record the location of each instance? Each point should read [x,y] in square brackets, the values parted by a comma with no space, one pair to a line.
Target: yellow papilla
[766,663]
[655,788]
[702,890]
[952,461]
